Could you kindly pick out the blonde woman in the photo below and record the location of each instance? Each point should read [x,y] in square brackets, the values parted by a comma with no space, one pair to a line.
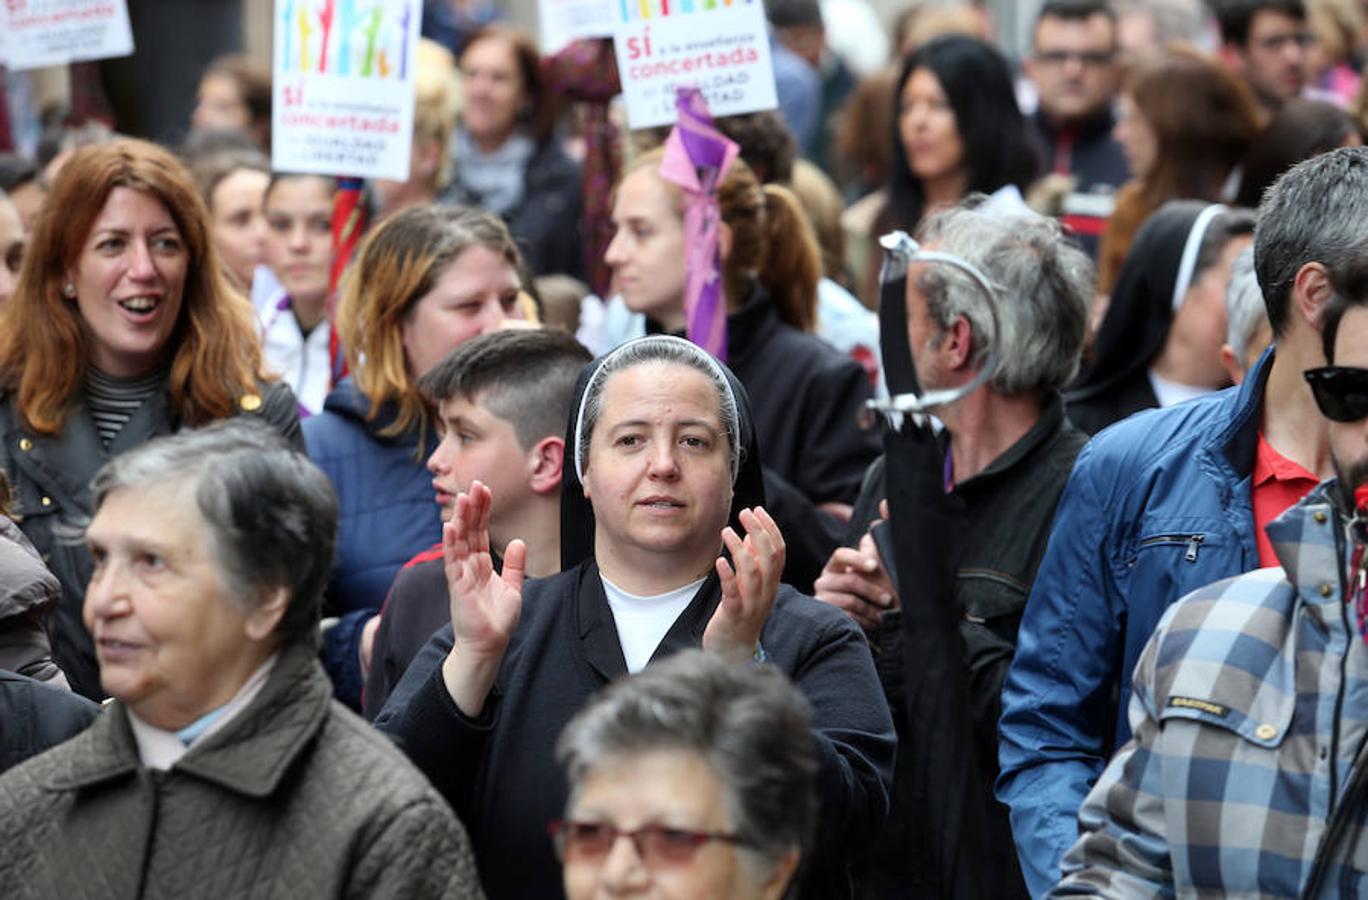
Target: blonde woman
[424,282]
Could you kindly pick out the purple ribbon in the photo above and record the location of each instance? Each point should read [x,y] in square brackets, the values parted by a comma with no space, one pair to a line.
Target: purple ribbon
[697,157]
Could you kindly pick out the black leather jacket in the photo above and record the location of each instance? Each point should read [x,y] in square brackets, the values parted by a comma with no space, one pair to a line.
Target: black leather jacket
[51,476]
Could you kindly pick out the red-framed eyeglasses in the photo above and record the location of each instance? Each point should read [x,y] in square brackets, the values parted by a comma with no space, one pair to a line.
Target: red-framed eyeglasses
[581,841]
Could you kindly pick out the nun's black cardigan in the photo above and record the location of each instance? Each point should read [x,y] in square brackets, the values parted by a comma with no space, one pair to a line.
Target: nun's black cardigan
[499,771]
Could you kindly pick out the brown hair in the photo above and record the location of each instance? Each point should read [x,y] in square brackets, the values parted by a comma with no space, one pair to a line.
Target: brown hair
[254,87]
[211,170]
[538,117]
[772,241]
[44,345]
[863,148]
[1204,118]
[397,264]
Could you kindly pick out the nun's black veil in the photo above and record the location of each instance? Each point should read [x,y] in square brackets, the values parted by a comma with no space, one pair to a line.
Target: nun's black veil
[1138,318]
[577,515]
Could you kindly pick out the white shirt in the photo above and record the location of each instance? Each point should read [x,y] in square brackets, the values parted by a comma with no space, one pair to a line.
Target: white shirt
[642,622]
[1170,392]
[301,362]
[162,749]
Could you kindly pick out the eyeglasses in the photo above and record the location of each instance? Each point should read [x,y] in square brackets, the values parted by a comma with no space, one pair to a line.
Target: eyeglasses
[657,845]
[1275,42]
[1086,58]
[1341,392]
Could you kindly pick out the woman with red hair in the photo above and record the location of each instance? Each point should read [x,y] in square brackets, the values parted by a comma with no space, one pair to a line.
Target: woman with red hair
[122,327]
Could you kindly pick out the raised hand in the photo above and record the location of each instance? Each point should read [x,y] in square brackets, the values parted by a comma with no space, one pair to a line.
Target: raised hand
[484,604]
[748,589]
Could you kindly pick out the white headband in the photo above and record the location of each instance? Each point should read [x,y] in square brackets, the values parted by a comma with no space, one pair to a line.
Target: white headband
[1188,261]
[698,353]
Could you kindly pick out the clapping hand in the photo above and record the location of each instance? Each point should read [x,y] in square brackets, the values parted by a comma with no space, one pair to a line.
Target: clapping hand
[748,589]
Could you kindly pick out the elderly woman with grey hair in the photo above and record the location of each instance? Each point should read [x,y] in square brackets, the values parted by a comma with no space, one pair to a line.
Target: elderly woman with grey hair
[704,767]
[222,767]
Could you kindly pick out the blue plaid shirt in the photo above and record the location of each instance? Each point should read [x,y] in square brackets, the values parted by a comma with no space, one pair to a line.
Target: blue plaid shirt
[1250,707]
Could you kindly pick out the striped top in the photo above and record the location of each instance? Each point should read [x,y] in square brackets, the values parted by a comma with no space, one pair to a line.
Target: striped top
[113,401]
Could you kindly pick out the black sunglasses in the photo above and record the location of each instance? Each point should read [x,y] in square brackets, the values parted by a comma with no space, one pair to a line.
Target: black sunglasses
[1341,392]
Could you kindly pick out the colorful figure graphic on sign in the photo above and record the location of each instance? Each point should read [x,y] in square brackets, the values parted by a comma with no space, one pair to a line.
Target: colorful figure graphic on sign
[335,37]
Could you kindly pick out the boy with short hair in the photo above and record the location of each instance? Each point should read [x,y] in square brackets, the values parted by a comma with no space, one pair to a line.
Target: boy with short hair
[503,400]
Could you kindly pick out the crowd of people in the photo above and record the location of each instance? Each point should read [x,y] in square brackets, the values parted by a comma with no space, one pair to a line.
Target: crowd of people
[1009,541]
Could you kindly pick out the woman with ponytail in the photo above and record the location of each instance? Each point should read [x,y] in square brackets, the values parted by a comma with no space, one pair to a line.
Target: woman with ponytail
[805,394]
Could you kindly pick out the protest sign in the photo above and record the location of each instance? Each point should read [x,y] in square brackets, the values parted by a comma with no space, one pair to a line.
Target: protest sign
[563,21]
[39,33]
[720,47]
[343,87]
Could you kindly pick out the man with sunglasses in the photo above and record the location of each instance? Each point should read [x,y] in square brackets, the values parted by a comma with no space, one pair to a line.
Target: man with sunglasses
[1163,503]
[1076,70]
[1246,775]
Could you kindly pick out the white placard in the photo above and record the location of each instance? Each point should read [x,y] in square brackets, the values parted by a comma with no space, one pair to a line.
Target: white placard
[563,21]
[343,86]
[41,33]
[720,47]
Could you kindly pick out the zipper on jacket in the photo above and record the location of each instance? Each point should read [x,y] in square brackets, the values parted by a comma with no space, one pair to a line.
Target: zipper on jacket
[1193,541]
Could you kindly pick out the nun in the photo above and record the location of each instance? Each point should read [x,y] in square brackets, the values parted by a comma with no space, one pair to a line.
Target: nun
[665,546]
[1160,340]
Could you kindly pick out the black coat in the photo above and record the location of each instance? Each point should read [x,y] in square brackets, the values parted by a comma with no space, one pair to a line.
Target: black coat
[51,477]
[964,563]
[805,396]
[547,223]
[1088,152]
[499,771]
[35,716]
[418,605]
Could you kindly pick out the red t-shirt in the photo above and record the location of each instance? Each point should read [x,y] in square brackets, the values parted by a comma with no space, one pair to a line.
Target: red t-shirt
[1278,483]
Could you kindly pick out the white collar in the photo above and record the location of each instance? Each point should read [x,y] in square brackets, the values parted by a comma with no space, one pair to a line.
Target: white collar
[159,748]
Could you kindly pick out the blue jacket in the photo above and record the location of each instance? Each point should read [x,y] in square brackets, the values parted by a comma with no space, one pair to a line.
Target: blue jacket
[1158,505]
[1250,712]
[388,514]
